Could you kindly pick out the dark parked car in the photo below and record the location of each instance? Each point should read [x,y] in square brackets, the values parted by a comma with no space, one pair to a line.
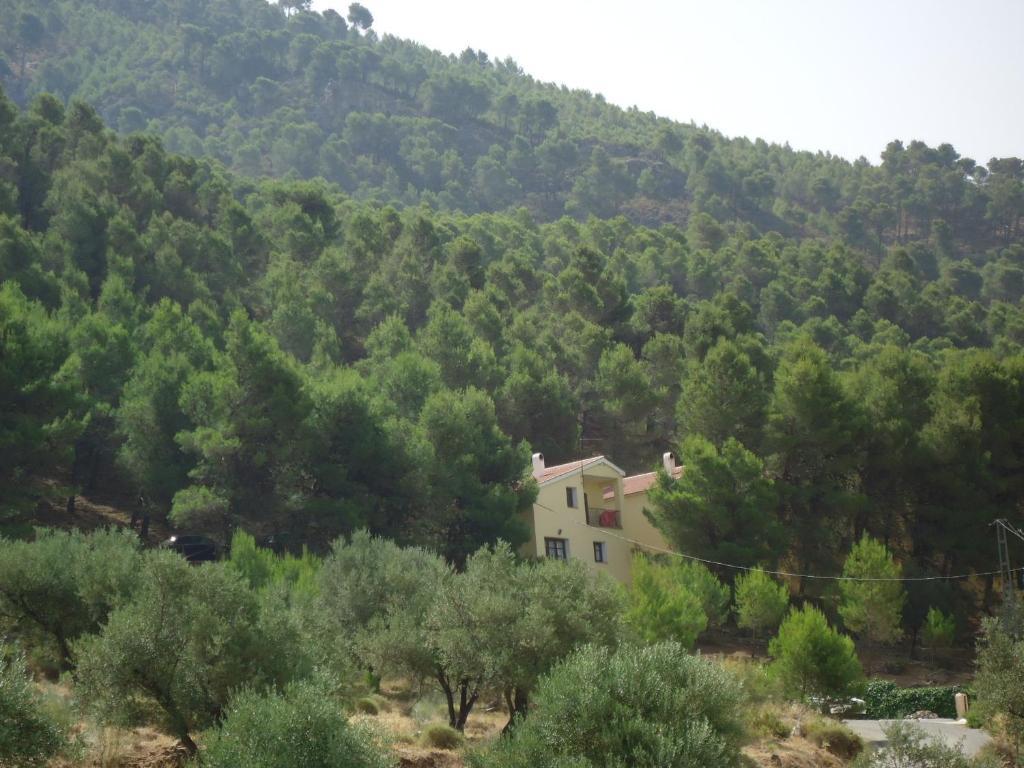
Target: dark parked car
[195,549]
[278,543]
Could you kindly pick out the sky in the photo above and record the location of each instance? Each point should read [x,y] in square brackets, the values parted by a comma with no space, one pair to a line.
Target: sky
[832,75]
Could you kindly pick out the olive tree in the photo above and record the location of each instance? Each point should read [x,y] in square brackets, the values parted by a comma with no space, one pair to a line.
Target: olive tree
[493,628]
[1000,681]
[581,607]
[187,638]
[645,706]
[373,600]
[478,621]
[502,623]
[64,584]
[28,736]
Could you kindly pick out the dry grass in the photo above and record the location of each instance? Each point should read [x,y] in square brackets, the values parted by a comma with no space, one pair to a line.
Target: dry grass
[124,748]
[833,736]
[792,753]
[790,736]
[406,712]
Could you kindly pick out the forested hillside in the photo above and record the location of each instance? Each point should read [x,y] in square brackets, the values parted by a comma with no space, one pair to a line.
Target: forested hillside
[491,266]
[274,90]
[279,356]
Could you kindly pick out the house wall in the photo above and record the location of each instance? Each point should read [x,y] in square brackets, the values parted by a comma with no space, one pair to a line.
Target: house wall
[551,517]
[635,524]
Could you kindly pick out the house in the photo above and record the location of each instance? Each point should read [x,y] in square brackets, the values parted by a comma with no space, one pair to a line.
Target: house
[590,510]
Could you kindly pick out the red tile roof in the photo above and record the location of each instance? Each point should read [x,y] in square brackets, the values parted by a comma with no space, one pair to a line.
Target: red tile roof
[549,473]
[640,483]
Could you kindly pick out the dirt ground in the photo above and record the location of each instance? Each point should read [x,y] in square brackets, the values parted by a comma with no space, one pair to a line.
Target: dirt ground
[90,512]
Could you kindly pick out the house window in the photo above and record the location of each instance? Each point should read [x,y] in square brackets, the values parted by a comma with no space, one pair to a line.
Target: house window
[600,553]
[556,548]
[572,499]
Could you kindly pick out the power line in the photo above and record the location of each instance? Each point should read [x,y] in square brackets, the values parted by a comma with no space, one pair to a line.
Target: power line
[1005,524]
[787,574]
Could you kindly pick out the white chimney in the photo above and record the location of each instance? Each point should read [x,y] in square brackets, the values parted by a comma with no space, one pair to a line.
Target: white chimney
[538,462]
[669,461]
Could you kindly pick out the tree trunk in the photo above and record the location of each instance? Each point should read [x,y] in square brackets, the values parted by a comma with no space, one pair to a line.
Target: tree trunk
[65,651]
[94,469]
[511,707]
[178,721]
[373,679]
[449,698]
[70,508]
[518,703]
[188,744]
[466,702]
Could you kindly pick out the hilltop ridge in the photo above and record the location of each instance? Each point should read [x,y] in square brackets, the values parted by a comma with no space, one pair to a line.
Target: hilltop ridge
[279,91]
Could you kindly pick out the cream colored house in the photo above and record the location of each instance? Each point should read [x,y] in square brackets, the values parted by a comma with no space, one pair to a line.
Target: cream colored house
[590,510]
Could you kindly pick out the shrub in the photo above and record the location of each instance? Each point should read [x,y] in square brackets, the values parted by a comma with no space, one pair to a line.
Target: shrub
[765,722]
[188,637]
[833,737]
[661,607]
[907,745]
[759,683]
[301,728]
[976,717]
[28,735]
[367,706]
[939,629]
[885,700]
[811,658]
[761,601]
[262,567]
[442,736]
[640,706]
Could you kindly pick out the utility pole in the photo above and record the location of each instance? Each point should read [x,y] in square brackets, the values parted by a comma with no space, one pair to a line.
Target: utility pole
[1007,574]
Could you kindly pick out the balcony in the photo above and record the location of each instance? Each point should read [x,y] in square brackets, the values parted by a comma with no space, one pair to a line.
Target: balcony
[604,518]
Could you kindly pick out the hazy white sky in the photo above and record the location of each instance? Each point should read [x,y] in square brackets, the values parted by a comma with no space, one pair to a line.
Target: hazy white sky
[838,75]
